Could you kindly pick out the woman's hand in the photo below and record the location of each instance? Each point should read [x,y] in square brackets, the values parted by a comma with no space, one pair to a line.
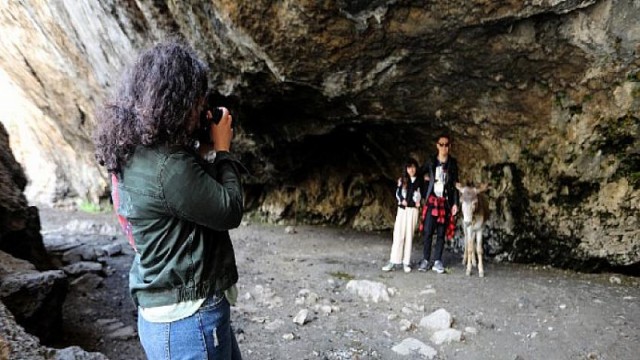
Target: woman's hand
[222,133]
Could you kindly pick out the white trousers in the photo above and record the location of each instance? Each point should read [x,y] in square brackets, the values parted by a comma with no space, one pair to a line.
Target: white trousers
[403,230]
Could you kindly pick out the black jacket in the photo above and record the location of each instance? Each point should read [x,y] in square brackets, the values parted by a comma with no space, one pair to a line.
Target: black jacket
[415,186]
[450,191]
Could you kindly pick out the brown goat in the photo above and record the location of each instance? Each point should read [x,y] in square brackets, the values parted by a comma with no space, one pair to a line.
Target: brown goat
[475,213]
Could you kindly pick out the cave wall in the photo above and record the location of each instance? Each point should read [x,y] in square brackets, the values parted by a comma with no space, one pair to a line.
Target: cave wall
[541,98]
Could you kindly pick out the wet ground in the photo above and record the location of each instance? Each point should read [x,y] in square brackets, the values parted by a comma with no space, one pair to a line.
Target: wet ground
[514,312]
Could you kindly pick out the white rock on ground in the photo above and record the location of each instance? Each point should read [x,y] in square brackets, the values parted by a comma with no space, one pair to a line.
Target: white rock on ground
[368,290]
[301,318]
[274,325]
[411,346]
[470,330]
[406,325]
[437,320]
[446,336]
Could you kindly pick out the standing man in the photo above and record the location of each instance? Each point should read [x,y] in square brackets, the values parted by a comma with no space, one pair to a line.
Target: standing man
[441,174]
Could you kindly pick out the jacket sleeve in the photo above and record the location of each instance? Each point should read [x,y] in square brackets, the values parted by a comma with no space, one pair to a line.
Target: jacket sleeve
[453,179]
[426,185]
[191,192]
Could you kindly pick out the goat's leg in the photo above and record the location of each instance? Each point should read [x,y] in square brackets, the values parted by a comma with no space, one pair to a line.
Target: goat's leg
[479,252]
[469,251]
[464,253]
[472,253]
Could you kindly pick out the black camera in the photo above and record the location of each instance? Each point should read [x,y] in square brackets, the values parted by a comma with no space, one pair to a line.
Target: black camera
[204,131]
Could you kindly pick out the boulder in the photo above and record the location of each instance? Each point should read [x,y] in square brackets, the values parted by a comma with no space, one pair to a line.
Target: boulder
[34,297]
[15,343]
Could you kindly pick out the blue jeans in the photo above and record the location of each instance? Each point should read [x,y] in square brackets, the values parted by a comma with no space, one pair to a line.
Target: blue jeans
[431,225]
[207,334]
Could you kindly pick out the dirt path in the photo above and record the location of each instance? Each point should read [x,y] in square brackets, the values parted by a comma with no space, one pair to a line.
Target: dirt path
[515,312]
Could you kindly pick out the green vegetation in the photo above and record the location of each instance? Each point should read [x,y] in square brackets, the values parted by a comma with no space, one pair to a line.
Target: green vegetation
[93,208]
[634,76]
[618,134]
[576,191]
[619,137]
[560,98]
[630,168]
[342,275]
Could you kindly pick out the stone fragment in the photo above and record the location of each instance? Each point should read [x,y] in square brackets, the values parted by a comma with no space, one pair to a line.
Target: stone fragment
[274,325]
[109,250]
[446,336]
[368,290]
[123,333]
[301,317]
[83,267]
[326,309]
[86,283]
[437,320]
[79,253]
[470,330]
[406,325]
[413,347]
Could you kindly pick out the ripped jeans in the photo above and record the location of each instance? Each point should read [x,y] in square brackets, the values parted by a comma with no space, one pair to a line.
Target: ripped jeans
[207,334]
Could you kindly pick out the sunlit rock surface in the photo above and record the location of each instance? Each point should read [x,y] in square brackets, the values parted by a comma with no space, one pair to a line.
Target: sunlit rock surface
[541,97]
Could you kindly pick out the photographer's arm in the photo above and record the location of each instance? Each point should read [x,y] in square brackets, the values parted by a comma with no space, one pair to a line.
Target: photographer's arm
[192,194]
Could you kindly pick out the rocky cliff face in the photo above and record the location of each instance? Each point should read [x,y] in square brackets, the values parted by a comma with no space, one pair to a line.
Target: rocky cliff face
[30,287]
[541,97]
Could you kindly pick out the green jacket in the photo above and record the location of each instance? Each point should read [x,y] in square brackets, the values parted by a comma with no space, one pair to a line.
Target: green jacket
[179,209]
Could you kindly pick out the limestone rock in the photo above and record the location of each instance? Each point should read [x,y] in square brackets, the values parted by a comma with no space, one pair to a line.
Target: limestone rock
[446,336]
[368,290]
[302,317]
[19,222]
[15,343]
[437,320]
[35,298]
[411,346]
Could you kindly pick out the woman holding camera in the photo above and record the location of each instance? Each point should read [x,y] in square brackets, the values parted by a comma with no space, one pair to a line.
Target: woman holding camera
[175,207]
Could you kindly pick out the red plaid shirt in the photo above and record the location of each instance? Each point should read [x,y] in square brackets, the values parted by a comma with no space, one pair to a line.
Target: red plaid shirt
[439,212]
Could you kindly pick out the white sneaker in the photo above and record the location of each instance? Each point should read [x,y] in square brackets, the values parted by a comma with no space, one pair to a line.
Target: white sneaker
[438,267]
[389,267]
[407,268]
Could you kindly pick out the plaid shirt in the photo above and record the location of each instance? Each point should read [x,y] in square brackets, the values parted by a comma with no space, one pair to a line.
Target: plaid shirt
[439,212]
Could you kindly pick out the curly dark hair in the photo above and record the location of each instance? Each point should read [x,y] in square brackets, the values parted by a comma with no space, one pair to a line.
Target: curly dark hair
[153,104]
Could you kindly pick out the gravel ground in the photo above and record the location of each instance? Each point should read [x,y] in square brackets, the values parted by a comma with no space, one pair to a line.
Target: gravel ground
[514,312]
